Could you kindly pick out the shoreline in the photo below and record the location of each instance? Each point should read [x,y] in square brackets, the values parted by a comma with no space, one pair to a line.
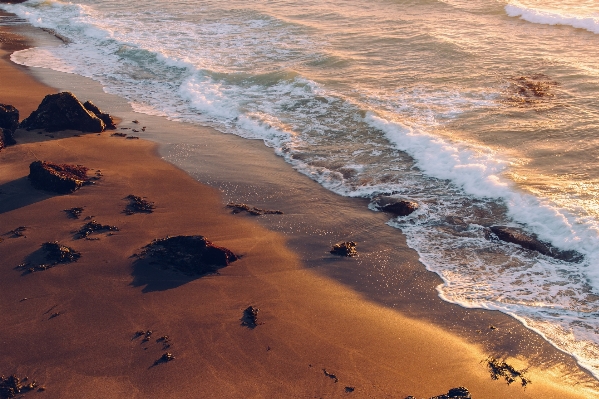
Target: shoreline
[345,307]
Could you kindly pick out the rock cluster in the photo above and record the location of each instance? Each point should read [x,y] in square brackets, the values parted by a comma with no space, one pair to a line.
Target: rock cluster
[454,393]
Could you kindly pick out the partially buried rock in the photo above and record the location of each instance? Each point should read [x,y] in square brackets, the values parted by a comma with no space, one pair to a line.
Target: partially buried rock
[396,206]
[59,178]
[529,241]
[13,385]
[347,248]
[192,255]
[9,122]
[106,118]
[94,227]
[63,111]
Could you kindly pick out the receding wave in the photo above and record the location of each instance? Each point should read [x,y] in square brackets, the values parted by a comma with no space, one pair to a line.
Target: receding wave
[546,17]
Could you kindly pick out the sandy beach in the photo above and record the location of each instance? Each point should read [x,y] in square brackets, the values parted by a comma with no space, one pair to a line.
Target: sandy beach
[321,332]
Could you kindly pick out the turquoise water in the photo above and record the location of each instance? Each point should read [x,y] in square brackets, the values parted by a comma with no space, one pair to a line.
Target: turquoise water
[482,111]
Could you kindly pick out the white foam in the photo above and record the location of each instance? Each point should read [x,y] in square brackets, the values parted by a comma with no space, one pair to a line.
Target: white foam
[548,17]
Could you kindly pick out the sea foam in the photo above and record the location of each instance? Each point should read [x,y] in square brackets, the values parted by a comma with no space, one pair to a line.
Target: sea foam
[547,17]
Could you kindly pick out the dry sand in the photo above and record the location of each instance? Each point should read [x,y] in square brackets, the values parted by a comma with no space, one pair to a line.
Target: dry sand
[310,323]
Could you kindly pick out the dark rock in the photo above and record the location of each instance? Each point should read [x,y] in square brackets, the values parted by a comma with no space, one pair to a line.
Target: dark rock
[192,255]
[349,389]
[9,122]
[347,248]
[454,393]
[529,241]
[138,205]
[250,317]
[63,111]
[396,206]
[106,118]
[61,179]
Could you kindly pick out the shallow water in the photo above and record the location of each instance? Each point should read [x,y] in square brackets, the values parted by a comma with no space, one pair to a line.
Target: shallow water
[482,111]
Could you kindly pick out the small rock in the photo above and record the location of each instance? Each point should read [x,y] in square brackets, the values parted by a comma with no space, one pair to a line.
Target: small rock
[250,317]
[347,248]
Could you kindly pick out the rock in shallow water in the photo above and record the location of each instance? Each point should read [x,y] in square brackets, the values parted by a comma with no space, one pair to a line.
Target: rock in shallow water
[396,206]
[347,248]
[529,241]
[61,179]
[63,111]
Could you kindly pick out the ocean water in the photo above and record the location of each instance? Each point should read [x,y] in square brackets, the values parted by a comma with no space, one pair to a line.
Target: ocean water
[485,112]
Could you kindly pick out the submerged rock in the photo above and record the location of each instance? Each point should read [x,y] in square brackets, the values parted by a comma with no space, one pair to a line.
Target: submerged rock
[106,118]
[192,255]
[59,178]
[63,111]
[9,122]
[347,248]
[529,241]
[396,206]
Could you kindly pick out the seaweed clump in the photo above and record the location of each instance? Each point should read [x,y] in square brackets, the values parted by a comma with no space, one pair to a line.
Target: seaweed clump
[92,227]
[347,248]
[138,205]
[252,210]
[500,369]
[59,178]
[13,385]
[191,255]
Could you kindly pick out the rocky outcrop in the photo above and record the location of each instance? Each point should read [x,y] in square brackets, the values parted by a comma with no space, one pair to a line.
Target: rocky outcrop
[395,205]
[106,118]
[61,179]
[192,255]
[63,111]
[529,241]
[9,122]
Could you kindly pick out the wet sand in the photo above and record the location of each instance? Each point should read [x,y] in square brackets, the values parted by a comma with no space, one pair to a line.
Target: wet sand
[317,312]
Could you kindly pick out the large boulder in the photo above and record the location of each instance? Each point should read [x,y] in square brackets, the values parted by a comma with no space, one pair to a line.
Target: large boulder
[106,118]
[529,241]
[63,111]
[191,255]
[61,179]
[395,205]
[9,122]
